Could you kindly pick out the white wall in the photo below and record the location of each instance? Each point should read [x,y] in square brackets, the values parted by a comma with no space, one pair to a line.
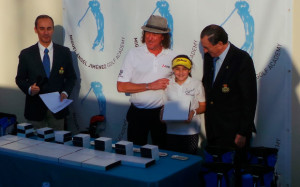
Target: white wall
[17,23]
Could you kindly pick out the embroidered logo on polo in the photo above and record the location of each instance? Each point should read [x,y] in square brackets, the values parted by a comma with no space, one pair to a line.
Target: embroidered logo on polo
[190,92]
[121,73]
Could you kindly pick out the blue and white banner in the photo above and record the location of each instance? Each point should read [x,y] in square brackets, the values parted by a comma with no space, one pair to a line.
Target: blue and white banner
[100,32]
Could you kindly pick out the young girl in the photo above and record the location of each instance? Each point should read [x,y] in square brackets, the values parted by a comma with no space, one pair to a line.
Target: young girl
[183,136]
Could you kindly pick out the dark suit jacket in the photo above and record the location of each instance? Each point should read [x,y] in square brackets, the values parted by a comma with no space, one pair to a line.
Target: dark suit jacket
[231,100]
[31,70]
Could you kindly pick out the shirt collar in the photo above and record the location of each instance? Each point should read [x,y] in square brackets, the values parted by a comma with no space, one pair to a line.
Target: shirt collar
[42,48]
[185,82]
[188,80]
[163,52]
[223,55]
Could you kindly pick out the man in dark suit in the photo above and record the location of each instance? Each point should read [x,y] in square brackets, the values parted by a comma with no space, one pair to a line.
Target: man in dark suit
[43,68]
[229,82]
[231,91]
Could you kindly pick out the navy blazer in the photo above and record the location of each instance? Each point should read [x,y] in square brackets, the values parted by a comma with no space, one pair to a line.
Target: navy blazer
[31,70]
[231,99]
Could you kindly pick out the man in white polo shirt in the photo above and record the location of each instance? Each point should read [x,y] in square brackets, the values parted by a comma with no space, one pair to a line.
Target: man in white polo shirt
[144,75]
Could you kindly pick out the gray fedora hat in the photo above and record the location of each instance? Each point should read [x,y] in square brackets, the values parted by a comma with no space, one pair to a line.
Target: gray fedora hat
[156,24]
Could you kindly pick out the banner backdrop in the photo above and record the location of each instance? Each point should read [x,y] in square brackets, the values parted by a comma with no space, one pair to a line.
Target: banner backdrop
[100,32]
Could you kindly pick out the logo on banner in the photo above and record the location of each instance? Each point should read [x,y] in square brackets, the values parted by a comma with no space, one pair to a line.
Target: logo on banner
[94,7]
[97,89]
[85,56]
[163,8]
[242,8]
[273,62]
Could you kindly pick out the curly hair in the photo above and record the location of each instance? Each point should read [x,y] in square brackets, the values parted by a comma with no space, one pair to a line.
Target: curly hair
[166,42]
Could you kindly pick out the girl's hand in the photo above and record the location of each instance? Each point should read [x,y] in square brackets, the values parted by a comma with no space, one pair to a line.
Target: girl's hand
[191,115]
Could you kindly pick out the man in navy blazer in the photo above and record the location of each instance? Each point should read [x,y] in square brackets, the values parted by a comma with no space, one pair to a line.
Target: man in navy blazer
[32,78]
[231,91]
[229,82]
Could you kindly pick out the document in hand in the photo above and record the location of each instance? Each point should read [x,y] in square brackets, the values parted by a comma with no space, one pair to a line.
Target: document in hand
[176,110]
[52,101]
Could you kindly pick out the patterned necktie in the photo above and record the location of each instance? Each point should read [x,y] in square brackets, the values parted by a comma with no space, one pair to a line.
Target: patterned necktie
[46,62]
[215,67]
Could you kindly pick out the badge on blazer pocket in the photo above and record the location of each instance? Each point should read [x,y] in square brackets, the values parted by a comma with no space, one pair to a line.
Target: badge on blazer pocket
[225,88]
[61,70]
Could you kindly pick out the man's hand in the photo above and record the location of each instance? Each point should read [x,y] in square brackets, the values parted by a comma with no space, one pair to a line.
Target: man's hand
[240,140]
[63,96]
[159,84]
[34,89]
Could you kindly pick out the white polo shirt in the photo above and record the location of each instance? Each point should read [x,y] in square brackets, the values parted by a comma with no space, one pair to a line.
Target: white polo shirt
[141,66]
[191,90]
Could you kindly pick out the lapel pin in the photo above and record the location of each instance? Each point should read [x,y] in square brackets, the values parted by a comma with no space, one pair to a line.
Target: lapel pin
[225,88]
[61,70]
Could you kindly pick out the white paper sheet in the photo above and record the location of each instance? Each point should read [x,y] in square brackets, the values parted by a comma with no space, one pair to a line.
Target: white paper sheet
[175,110]
[52,101]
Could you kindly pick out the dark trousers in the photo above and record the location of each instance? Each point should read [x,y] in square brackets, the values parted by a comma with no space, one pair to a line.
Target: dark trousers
[143,121]
[240,156]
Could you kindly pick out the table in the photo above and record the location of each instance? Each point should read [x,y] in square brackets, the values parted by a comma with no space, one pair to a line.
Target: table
[22,170]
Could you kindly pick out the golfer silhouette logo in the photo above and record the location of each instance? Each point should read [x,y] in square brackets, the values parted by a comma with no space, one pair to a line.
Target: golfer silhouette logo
[97,122]
[94,6]
[242,8]
[97,89]
[163,8]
